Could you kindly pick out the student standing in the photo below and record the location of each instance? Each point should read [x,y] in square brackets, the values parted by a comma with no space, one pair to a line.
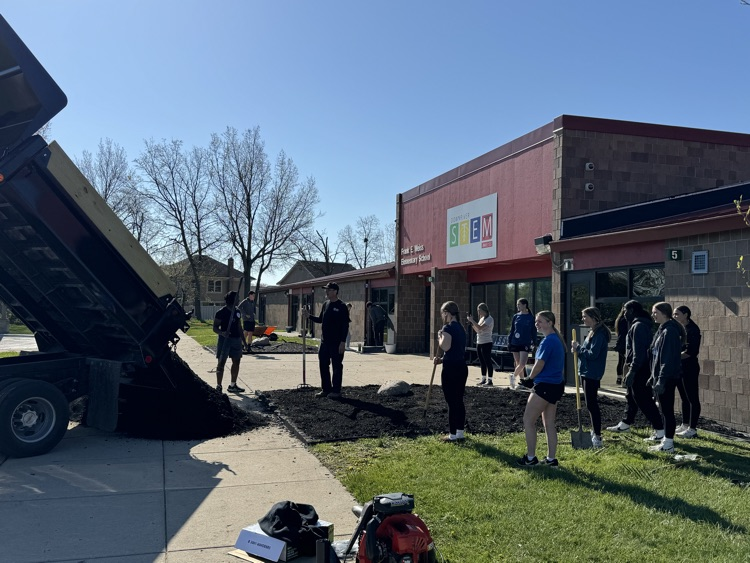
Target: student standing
[592,361]
[621,330]
[639,395]
[230,341]
[334,317]
[666,369]
[483,327]
[451,350]
[548,383]
[520,339]
[688,386]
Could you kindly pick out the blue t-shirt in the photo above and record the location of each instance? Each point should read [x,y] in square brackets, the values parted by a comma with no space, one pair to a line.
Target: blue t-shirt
[522,330]
[552,351]
[458,343]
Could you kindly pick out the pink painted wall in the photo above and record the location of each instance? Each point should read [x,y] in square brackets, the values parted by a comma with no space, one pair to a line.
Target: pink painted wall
[522,182]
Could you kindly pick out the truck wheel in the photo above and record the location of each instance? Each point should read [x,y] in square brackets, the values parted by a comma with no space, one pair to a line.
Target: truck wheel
[33,418]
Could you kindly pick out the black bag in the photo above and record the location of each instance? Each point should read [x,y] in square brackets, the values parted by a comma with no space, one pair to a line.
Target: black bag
[295,524]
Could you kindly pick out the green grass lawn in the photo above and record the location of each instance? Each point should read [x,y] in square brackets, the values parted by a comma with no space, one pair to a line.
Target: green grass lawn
[619,503]
[18,329]
[202,332]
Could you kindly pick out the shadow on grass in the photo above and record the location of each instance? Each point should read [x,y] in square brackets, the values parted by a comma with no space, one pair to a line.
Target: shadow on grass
[639,495]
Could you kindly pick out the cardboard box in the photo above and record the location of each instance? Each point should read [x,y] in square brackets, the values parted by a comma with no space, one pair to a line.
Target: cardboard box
[254,541]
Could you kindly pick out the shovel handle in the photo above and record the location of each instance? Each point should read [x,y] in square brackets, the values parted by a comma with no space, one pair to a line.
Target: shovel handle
[427,401]
[575,370]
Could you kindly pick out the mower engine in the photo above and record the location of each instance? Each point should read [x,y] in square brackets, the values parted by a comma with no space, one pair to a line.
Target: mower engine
[390,533]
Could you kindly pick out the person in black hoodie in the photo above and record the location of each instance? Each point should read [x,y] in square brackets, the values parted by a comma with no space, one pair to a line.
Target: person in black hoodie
[688,387]
[666,369]
[638,394]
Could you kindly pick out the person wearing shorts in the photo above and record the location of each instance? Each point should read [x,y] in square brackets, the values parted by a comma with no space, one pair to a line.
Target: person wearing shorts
[548,384]
[230,342]
[520,338]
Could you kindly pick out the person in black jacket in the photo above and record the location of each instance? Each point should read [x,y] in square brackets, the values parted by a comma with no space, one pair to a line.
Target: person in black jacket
[639,395]
[666,369]
[334,317]
[688,387]
[230,342]
[621,330]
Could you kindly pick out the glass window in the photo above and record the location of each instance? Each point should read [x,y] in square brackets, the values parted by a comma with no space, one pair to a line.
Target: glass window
[509,308]
[542,296]
[648,282]
[612,284]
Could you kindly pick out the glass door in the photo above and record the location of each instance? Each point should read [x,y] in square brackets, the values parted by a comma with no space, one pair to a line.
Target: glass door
[580,294]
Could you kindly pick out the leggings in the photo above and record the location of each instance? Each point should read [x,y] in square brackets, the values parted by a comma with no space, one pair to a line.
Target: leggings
[590,393]
[453,380]
[688,388]
[484,351]
[666,402]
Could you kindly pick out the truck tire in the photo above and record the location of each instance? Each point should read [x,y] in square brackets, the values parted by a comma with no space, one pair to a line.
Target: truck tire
[33,418]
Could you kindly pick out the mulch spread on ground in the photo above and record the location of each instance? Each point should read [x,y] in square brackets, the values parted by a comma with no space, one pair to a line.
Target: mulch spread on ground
[362,413]
[190,409]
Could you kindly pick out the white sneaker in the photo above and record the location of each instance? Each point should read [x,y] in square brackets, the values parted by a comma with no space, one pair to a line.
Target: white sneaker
[512,381]
[666,446]
[688,433]
[596,441]
[681,428]
[619,427]
[657,436]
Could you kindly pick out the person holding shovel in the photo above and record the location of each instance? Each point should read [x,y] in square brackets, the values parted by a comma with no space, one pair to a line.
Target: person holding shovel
[548,384]
[592,360]
[451,350]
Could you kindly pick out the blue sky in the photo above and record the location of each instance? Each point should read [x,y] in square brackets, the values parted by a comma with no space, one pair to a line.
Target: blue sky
[374,98]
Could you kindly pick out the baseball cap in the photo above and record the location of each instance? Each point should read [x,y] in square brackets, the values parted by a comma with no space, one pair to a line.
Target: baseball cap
[331,285]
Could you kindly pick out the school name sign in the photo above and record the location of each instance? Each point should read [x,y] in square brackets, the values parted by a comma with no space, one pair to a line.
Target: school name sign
[472,229]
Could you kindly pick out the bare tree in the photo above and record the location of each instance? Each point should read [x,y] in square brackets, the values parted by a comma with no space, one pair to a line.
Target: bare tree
[364,243]
[176,182]
[314,246]
[111,175]
[264,209]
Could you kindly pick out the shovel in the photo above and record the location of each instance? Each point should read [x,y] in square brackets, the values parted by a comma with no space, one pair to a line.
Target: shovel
[581,440]
[427,402]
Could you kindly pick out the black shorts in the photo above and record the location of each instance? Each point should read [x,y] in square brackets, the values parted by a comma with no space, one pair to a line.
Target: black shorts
[518,348]
[550,392]
[248,326]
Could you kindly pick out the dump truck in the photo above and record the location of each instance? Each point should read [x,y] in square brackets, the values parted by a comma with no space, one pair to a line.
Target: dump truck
[103,312]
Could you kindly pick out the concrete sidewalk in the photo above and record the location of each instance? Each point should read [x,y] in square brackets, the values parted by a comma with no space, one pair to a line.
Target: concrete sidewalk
[100,497]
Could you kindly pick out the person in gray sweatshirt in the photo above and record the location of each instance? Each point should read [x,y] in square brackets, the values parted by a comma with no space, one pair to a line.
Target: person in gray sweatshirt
[639,395]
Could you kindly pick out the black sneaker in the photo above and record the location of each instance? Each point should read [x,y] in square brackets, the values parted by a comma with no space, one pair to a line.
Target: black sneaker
[321,394]
[218,388]
[234,388]
[550,462]
[526,462]
[489,383]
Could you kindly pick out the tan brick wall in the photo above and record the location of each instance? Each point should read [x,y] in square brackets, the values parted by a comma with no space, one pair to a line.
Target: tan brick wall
[720,306]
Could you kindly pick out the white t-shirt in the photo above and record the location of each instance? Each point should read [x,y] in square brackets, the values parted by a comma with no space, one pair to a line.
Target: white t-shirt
[484,334]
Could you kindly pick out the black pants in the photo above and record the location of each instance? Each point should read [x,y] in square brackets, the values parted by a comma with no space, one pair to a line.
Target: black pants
[666,402]
[641,396]
[620,364]
[453,380]
[590,393]
[688,388]
[484,351]
[328,355]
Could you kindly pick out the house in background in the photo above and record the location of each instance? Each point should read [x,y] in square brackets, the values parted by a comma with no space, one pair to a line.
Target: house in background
[216,279]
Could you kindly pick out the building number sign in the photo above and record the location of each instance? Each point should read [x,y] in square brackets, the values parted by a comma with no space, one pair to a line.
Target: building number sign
[674,254]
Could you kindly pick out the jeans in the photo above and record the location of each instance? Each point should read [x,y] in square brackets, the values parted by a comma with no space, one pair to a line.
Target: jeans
[328,355]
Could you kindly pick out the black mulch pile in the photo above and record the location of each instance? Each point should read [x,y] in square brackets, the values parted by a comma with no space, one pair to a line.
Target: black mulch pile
[362,413]
[192,410]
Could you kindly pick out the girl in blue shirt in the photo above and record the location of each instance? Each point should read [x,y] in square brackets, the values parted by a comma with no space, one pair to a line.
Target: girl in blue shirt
[520,339]
[548,383]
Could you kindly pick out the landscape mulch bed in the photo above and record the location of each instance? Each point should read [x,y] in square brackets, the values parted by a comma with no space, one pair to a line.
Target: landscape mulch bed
[362,413]
[190,409]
